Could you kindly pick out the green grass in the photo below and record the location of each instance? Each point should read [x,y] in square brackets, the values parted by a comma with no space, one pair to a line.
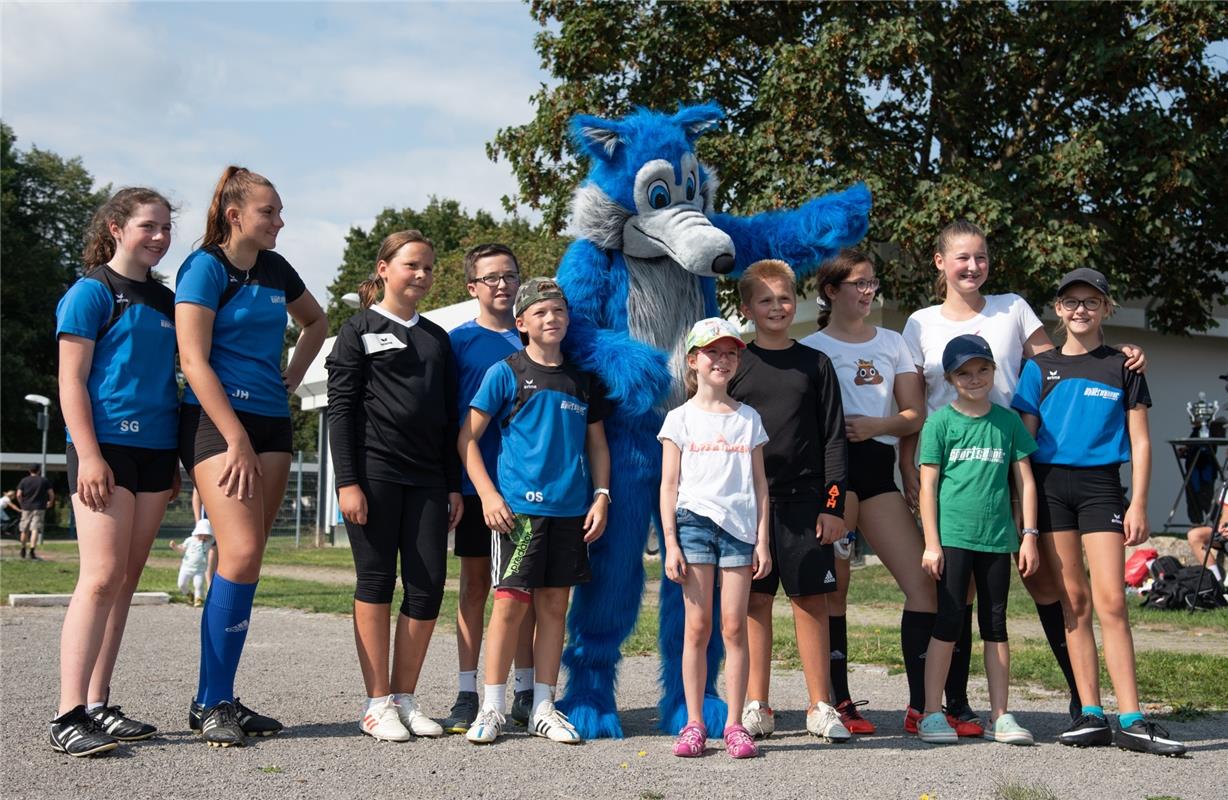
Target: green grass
[1017,790]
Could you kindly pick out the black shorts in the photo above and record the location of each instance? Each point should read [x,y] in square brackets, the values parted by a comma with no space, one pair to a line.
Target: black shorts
[871,469]
[991,572]
[799,561]
[472,536]
[199,438]
[540,552]
[137,469]
[1083,499]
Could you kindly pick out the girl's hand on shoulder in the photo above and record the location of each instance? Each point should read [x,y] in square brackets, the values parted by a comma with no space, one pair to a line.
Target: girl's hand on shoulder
[1136,359]
[496,514]
[761,567]
[858,428]
[932,563]
[240,470]
[456,509]
[1135,525]
[594,522]
[95,483]
[353,504]
[1029,557]
[675,564]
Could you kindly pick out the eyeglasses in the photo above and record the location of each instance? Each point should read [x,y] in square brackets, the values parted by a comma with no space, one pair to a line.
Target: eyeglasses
[493,281]
[863,286]
[1090,303]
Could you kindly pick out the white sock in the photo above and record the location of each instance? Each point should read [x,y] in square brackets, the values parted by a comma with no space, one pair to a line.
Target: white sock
[468,680]
[495,697]
[543,698]
[1214,571]
[372,702]
[404,697]
[92,706]
[524,679]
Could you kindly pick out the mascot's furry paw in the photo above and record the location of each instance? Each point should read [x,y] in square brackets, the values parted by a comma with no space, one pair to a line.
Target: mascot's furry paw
[593,717]
[674,716]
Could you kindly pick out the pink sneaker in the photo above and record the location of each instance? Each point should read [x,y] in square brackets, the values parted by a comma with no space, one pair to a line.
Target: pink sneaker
[738,743]
[691,741]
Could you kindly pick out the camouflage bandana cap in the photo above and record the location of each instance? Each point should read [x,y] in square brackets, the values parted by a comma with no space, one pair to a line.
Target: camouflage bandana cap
[536,290]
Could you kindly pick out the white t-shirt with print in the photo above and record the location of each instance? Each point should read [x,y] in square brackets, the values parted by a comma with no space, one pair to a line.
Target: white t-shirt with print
[1005,322]
[717,474]
[867,371]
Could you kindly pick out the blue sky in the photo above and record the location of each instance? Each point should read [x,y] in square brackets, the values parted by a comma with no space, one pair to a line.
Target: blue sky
[347,107]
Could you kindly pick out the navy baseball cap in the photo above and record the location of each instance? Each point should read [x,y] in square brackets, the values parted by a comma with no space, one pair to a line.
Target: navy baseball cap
[962,349]
[1087,275]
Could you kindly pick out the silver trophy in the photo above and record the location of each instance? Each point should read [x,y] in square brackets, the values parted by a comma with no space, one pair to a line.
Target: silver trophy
[1201,412]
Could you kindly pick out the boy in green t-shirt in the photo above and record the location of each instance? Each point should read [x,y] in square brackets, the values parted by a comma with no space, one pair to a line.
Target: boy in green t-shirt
[970,450]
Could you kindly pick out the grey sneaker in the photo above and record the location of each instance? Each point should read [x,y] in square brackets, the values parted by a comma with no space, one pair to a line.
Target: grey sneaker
[824,722]
[758,719]
[464,712]
[522,706]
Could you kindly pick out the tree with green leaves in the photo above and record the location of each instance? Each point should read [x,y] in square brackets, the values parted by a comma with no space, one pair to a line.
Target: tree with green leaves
[1078,134]
[46,203]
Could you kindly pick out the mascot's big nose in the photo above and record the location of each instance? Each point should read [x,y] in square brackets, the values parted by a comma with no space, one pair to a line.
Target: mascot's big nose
[722,264]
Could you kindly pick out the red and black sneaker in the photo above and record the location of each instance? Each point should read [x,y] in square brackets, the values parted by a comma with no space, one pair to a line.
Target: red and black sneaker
[964,720]
[912,718]
[851,718]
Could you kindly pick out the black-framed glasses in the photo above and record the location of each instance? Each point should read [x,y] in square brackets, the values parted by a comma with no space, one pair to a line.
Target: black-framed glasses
[1090,303]
[493,281]
[866,285]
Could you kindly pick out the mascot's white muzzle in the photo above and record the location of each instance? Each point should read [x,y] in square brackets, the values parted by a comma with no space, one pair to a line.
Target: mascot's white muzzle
[683,234]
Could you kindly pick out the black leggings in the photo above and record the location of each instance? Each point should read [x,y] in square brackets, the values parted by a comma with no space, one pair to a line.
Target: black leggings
[413,521]
[992,572]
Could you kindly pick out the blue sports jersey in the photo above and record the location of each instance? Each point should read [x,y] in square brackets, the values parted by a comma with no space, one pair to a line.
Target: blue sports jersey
[133,394]
[477,349]
[1081,402]
[250,327]
[544,414]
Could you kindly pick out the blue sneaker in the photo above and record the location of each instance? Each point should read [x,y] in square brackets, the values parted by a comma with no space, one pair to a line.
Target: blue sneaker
[935,729]
[1006,730]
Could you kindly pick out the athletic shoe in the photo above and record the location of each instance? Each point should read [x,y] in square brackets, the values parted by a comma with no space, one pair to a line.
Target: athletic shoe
[912,718]
[220,726]
[1006,730]
[464,712]
[738,742]
[1088,730]
[522,707]
[554,725]
[382,722]
[112,721]
[487,727]
[1076,709]
[253,724]
[936,729]
[413,719]
[851,718]
[823,721]
[691,741]
[758,719]
[76,734]
[964,720]
[1145,736]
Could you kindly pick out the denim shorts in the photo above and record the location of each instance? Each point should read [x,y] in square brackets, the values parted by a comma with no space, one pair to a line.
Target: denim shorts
[704,542]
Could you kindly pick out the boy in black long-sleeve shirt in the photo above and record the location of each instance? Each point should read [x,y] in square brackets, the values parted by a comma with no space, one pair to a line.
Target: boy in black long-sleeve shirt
[795,390]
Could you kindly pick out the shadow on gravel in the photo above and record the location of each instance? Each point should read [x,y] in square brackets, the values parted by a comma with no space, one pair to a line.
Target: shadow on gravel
[317,730]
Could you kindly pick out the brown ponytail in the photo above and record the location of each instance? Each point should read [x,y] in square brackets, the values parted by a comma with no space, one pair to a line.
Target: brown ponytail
[231,190]
[99,244]
[370,289]
[834,272]
[960,227]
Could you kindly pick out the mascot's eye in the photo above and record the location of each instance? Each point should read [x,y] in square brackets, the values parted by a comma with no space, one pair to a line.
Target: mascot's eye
[658,194]
[690,187]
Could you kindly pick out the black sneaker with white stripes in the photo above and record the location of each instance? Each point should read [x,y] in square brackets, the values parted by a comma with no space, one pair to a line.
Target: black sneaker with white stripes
[1088,730]
[220,726]
[1145,736]
[113,721]
[76,734]
[253,724]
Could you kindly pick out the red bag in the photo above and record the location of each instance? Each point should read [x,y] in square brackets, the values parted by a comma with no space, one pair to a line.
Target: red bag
[1136,565]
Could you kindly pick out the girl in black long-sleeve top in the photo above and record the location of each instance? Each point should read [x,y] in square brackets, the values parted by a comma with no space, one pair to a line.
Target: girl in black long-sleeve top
[392,414]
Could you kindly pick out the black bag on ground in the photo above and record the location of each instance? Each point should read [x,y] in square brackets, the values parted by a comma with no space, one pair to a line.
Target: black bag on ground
[1189,588]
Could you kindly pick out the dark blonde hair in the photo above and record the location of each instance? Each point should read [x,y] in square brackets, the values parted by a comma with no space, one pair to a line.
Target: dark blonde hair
[232,189]
[960,227]
[760,273]
[834,272]
[99,244]
[476,254]
[370,289]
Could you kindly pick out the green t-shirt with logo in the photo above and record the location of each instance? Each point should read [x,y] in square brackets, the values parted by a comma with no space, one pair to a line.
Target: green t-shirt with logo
[974,457]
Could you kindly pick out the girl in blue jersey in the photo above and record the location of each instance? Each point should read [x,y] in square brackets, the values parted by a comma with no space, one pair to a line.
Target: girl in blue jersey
[231,300]
[119,399]
[1088,413]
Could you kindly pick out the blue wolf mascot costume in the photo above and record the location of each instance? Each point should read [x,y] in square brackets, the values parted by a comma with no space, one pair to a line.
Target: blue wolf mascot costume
[641,272]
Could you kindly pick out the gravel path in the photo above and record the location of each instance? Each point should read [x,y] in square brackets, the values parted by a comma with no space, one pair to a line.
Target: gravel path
[301,668]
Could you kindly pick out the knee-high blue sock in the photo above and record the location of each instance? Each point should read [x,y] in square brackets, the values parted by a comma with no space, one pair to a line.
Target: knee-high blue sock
[228,616]
[203,680]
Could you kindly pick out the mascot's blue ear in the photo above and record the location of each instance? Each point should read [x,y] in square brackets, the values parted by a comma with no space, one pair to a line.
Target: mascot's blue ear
[698,120]
[597,137]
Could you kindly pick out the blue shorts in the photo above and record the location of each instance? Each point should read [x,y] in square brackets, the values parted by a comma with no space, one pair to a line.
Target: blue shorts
[704,542]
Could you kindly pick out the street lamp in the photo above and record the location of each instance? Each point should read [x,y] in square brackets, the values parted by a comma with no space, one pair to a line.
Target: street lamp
[44,403]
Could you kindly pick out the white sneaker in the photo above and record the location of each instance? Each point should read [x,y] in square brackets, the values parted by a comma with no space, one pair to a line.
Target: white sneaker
[553,724]
[758,719]
[486,728]
[418,723]
[382,722]
[823,721]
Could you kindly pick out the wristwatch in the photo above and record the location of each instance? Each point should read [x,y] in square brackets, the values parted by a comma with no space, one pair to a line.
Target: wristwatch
[1031,532]
[606,492]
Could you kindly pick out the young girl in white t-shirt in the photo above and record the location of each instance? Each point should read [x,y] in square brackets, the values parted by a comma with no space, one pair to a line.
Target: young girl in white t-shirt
[714,514]
[877,377]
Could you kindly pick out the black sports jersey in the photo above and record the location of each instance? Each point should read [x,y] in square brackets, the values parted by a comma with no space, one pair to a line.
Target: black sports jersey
[797,394]
[392,410]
